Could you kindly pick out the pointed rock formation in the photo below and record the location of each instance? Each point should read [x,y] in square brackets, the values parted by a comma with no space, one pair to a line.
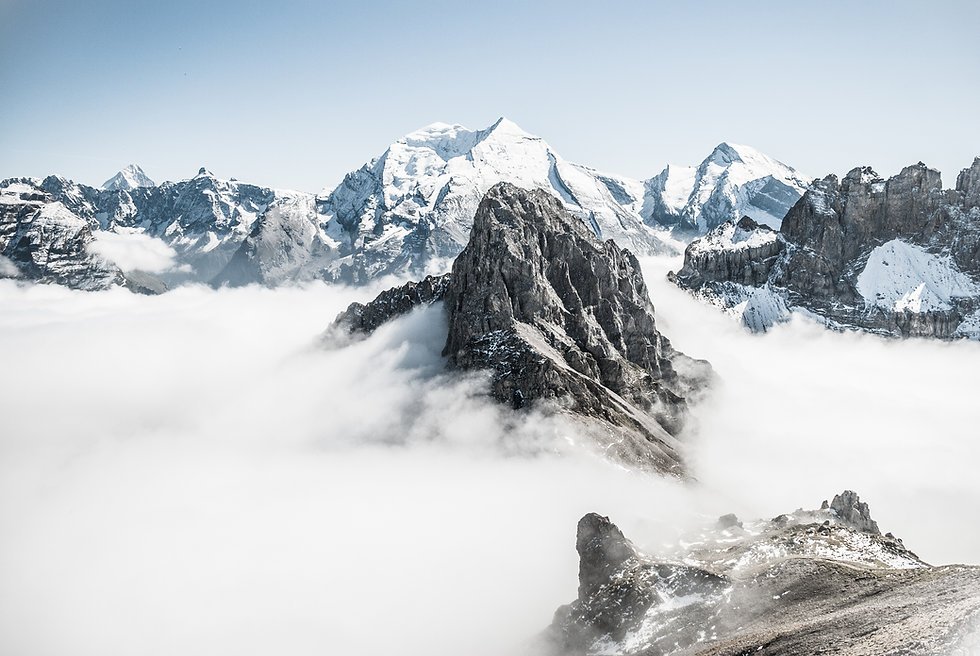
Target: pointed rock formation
[559,318]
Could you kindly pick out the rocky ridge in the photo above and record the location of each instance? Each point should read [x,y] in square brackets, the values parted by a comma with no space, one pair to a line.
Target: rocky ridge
[897,257]
[558,318]
[819,581]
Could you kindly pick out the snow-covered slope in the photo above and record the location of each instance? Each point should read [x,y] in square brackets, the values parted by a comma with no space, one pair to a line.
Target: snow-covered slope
[733,181]
[411,208]
[901,276]
[131,177]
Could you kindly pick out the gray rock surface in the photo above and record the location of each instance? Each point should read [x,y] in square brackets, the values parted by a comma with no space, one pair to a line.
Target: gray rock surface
[897,257]
[558,318]
[810,582]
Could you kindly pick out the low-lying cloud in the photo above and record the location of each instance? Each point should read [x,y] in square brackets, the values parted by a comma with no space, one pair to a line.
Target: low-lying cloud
[192,473]
[134,251]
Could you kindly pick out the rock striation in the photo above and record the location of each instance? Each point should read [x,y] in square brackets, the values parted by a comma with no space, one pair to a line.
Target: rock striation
[558,318]
[817,581]
[897,257]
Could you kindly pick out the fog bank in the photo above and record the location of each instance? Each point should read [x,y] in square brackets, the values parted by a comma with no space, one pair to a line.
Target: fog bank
[192,473]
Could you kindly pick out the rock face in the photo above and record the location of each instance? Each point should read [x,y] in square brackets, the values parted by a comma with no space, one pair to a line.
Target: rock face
[896,257]
[805,583]
[395,302]
[44,241]
[733,181]
[559,318]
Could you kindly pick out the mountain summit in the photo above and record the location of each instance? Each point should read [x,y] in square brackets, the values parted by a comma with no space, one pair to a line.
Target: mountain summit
[733,181]
[131,177]
[561,321]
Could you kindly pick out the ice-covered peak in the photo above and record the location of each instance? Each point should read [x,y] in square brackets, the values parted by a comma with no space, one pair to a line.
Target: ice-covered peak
[446,140]
[203,172]
[726,153]
[129,178]
[504,127]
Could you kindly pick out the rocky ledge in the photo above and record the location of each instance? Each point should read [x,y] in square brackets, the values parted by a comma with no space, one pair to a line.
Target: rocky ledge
[897,257]
[562,321]
[810,582]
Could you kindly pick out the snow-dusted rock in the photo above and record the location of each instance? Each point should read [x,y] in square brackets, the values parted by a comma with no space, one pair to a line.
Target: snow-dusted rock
[817,581]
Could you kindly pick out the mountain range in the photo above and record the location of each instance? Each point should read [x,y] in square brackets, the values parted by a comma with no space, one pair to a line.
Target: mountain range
[898,257]
[407,211]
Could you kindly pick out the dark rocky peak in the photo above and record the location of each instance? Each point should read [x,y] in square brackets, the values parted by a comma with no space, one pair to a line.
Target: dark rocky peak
[602,550]
[204,172]
[559,318]
[855,513]
[747,224]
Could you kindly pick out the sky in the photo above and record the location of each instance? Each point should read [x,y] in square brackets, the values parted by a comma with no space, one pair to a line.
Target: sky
[295,94]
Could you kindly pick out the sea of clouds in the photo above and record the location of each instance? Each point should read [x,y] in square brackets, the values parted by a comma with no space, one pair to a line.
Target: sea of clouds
[199,473]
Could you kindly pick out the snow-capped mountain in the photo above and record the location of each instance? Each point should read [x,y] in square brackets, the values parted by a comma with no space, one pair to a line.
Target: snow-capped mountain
[896,256]
[732,182]
[409,211]
[131,177]
[42,239]
[203,220]
[411,208]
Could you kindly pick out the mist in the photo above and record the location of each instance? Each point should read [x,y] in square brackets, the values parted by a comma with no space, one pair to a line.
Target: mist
[195,473]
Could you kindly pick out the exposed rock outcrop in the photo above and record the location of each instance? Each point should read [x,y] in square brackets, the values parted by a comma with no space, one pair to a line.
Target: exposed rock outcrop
[897,257]
[561,318]
[359,318]
[854,512]
[819,581]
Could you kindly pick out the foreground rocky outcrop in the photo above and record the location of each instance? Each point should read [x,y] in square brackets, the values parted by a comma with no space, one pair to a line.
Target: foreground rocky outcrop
[896,257]
[810,582]
[558,318]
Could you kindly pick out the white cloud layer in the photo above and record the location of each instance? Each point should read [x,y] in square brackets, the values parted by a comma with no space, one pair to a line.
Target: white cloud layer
[191,474]
[133,251]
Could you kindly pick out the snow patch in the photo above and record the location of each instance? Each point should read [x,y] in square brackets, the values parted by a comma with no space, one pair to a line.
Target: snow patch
[900,276]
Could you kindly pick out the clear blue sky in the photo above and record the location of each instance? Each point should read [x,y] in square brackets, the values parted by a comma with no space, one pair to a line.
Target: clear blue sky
[294,94]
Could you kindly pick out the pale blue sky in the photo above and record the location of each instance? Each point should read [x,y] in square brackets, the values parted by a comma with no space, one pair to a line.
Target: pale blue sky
[294,94]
